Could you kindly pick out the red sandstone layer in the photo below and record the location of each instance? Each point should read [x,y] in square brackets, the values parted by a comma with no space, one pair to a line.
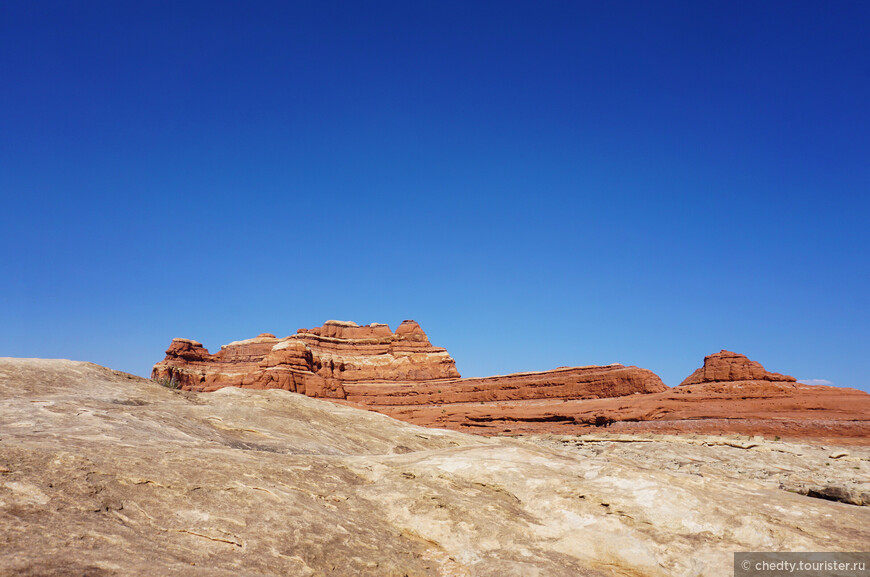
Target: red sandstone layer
[592,382]
[804,412]
[753,402]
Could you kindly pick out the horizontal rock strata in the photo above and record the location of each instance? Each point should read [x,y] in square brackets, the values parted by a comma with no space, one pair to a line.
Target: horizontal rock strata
[315,362]
[591,382]
[728,395]
[371,365]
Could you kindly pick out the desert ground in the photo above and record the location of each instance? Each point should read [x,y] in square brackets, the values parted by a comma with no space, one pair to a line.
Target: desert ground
[103,473]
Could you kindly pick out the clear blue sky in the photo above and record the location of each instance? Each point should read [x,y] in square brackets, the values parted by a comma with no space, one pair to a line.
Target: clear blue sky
[537,183]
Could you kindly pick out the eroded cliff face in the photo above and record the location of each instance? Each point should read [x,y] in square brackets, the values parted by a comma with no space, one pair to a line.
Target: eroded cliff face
[374,366]
[316,362]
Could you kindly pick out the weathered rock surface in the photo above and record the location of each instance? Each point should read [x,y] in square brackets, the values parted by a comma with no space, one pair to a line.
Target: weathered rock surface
[371,365]
[102,473]
[806,469]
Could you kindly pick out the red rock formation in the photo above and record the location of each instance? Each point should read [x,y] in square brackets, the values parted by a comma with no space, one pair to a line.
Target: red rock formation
[315,362]
[592,382]
[373,366]
[729,395]
[728,367]
[402,375]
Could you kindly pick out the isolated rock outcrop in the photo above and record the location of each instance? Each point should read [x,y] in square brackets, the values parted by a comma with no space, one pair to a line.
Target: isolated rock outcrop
[371,365]
[103,473]
[728,367]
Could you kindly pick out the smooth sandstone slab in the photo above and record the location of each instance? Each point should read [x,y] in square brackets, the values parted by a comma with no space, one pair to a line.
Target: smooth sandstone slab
[102,473]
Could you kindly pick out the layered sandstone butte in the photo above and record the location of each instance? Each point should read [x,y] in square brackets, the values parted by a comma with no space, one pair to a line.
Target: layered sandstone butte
[316,362]
[373,366]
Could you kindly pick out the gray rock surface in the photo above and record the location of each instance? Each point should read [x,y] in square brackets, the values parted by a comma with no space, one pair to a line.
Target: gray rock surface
[102,473]
[807,469]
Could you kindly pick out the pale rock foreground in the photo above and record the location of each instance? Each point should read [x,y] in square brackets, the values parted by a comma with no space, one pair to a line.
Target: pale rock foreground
[102,473]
